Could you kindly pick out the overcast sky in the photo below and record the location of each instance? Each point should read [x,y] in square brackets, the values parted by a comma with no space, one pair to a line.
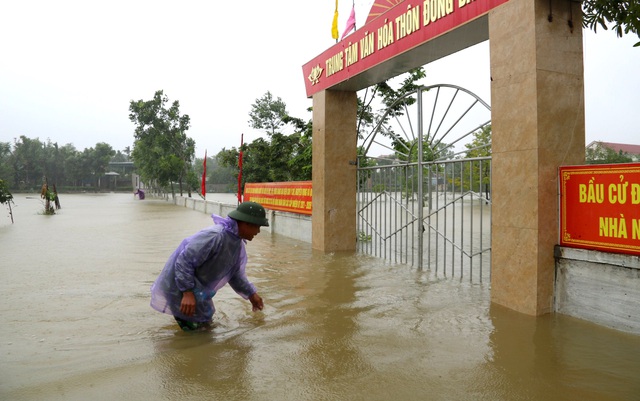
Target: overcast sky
[68,69]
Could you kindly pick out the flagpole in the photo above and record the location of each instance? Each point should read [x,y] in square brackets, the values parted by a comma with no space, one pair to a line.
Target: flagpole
[240,170]
[203,185]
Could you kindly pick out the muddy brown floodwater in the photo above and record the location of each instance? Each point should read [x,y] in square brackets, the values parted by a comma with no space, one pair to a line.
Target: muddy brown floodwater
[76,323]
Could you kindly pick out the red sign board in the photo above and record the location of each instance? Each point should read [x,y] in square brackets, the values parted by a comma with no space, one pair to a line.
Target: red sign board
[600,207]
[404,27]
[294,197]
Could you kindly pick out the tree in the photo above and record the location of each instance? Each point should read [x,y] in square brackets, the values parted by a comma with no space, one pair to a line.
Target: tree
[624,15]
[217,175]
[257,164]
[6,168]
[53,162]
[480,146]
[268,114]
[279,157]
[393,104]
[277,160]
[383,92]
[384,95]
[27,162]
[391,107]
[282,157]
[6,197]
[479,174]
[300,164]
[74,172]
[120,157]
[99,158]
[600,154]
[30,161]
[162,151]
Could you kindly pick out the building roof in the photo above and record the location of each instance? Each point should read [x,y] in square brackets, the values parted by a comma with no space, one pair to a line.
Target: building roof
[624,147]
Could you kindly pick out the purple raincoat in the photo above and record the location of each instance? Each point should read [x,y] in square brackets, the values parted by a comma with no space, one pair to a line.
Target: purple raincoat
[203,263]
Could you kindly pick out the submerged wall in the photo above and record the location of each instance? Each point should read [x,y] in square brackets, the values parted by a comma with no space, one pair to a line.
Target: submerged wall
[291,225]
[600,287]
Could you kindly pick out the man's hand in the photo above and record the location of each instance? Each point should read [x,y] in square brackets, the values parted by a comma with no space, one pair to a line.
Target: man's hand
[256,302]
[188,303]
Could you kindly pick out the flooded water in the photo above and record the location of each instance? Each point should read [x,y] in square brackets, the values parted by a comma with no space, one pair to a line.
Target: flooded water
[76,323]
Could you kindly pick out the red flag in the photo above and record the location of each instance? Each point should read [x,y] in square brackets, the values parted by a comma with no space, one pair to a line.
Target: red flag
[240,170]
[203,188]
[351,23]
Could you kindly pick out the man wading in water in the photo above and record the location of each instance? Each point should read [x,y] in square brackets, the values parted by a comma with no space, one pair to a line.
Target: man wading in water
[204,263]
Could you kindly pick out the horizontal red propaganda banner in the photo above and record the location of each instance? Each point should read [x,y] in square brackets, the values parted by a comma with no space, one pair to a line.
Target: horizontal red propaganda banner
[600,207]
[294,197]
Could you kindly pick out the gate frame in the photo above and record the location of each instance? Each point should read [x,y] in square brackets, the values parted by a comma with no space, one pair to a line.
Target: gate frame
[420,165]
[537,98]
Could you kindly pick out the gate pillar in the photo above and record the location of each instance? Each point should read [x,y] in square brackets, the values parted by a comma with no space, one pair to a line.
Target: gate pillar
[334,171]
[537,103]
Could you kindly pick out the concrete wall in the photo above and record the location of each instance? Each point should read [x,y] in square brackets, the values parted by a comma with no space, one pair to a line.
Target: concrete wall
[291,225]
[603,288]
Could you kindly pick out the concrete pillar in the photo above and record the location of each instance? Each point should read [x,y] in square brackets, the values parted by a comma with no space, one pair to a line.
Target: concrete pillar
[334,171]
[537,102]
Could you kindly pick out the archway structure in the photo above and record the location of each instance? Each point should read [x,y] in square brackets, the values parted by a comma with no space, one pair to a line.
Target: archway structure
[537,118]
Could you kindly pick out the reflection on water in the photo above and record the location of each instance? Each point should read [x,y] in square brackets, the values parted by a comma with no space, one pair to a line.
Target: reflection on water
[77,323]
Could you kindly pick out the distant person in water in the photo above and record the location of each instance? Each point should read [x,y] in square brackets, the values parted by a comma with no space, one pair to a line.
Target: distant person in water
[140,194]
[204,263]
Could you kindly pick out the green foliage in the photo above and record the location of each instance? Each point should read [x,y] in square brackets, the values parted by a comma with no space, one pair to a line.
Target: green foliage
[50,198]
[120,157]
[229,159]
[162,151]
[28,160]
[216,173]
[5,194]
[600,154]
[363,237]
[6,168]
[477,175]
[279,157]
[389,97]
[480,146]
[268,114]
[102,154]
[394,102]
[193,181]
[300,164]
[623,15]
[6,198]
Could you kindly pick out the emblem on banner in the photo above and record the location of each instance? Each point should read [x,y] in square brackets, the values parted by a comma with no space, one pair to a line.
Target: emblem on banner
[316,72]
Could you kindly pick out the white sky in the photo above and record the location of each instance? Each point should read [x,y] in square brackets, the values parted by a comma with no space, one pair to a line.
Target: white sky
[68,69]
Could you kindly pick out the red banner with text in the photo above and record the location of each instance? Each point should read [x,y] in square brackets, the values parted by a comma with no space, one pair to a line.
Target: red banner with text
[294,197]
[400,29]
[600,207]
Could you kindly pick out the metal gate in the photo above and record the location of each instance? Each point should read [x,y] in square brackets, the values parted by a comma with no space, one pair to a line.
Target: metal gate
[422,200]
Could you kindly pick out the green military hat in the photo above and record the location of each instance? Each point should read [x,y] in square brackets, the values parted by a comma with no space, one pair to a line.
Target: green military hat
[250,212]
